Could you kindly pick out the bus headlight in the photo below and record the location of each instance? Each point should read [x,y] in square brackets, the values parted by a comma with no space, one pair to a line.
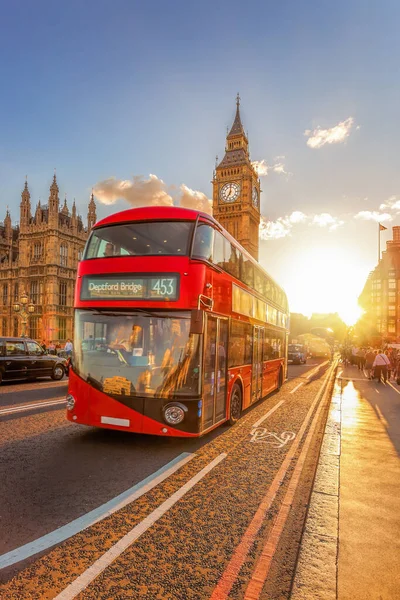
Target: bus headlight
[174,413]
[70,402]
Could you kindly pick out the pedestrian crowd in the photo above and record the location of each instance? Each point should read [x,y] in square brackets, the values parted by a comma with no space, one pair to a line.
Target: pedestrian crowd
[376,364]
[54,349]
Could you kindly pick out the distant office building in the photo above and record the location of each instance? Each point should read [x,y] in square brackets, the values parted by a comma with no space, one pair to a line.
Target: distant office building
[380,297]
[40,257]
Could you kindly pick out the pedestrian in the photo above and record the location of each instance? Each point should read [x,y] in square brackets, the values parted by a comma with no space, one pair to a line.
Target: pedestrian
[380,365]
[390,365]
[396,369]
[354,353]
[43,345]
[361,359]
[52,348]
[369,361]
[68,347]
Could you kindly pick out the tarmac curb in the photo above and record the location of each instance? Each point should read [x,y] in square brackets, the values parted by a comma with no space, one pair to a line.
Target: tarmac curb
[316,570]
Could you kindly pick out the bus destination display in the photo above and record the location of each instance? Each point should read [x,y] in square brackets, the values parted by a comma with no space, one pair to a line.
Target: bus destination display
[164,287]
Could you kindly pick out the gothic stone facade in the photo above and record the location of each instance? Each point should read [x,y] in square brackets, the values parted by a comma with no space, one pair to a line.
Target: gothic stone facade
[236,189]
[40,257]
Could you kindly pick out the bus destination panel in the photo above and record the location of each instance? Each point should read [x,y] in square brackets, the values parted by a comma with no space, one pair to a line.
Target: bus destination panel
[130,287]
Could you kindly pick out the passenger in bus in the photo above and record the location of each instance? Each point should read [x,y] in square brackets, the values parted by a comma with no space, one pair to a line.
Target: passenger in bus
[109,249]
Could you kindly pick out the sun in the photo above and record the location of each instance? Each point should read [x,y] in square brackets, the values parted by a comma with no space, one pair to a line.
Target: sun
[325,280]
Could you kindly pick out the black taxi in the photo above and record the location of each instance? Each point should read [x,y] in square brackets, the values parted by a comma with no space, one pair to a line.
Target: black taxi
[23,358]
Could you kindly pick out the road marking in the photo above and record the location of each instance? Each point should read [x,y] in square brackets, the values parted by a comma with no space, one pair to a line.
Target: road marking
[66,531]
[392,386]
[260,573]
[296,388]
[308,377]
[312,373]
[262,435]
[262,419]
[377,391]
[115,551]
[231,572]
[380,415]
[24,407]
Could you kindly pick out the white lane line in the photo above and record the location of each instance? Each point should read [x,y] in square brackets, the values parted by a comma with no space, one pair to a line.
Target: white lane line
[66,531]
[296,388]
[392,386]
[262,419]
[115,551]
[312,373]
[25,407]
[380,415]
[377,391]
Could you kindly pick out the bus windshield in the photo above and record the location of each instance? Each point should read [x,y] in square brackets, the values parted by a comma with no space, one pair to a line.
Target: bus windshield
[137,353]
[139,239]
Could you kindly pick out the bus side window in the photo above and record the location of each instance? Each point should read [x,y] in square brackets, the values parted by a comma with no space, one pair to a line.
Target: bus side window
[247,272]
[231,259]
[218,253]
[203,242]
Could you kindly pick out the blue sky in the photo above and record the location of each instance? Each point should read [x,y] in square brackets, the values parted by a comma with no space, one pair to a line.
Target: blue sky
[101,89]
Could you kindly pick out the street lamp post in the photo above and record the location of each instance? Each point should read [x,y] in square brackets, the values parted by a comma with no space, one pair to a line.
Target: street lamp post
[24,309]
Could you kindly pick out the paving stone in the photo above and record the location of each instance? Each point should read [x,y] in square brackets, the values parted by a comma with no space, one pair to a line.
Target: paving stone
[327,478]
[316,570]
[331,444]
[323,515]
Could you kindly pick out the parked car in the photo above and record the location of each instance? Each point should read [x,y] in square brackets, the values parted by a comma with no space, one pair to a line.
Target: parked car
[23,358]
[297,354]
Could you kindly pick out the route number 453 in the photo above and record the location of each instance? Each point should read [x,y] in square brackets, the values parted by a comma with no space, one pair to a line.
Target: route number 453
[164,287]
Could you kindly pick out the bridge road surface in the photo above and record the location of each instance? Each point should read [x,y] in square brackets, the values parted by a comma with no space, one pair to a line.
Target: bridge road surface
[200,518]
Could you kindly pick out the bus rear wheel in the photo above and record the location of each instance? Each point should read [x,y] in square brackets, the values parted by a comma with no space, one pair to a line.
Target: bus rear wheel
[235,408]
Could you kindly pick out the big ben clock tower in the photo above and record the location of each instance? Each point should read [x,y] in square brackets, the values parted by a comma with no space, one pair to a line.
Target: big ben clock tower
[236,189]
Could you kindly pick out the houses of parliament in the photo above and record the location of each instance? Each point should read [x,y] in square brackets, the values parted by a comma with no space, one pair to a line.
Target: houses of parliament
[39,257]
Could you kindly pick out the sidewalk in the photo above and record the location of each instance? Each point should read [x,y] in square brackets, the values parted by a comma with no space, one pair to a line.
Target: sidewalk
[351,544]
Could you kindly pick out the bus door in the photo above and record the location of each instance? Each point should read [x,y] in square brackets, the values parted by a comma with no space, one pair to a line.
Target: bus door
[215,374]
[257,368]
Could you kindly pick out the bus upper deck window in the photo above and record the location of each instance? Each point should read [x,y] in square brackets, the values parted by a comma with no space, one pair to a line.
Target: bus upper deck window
[203,241]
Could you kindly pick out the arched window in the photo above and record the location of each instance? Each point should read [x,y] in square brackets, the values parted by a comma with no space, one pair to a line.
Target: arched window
[37,250]
[63,255]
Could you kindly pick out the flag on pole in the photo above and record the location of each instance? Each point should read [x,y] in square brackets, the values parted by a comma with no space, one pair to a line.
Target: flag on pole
[382,227]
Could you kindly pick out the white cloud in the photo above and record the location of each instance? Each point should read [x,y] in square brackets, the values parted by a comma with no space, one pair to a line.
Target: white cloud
[279,168]
[263,168]
[137,192]
[283,226]
[270,230]
[297,217]
[149,192]
[319,137]
[194,199]
[392,203]
[327,220]
[373,215]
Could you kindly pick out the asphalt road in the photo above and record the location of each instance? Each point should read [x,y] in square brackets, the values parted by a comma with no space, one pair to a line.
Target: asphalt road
[54,472]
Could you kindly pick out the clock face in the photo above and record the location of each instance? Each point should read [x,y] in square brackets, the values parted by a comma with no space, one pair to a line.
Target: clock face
[254,196]
[229,192]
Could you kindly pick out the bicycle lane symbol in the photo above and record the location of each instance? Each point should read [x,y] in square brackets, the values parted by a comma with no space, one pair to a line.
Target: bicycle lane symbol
[261,434]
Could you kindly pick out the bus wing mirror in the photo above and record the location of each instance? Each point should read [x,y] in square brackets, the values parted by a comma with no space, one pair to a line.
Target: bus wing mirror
[197,321]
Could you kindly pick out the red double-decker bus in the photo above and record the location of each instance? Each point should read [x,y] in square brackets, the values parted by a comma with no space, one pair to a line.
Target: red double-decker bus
[177,327]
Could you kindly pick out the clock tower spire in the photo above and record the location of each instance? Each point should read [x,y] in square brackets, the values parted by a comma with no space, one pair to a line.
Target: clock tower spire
[236,189]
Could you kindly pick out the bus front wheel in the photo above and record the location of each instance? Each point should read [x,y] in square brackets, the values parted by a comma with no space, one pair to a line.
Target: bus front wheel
[235,409]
